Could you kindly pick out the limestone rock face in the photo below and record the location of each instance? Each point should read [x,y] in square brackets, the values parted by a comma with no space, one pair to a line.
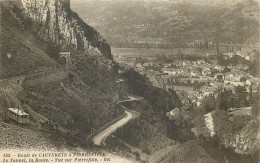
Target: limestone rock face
[54,21]
[246,141]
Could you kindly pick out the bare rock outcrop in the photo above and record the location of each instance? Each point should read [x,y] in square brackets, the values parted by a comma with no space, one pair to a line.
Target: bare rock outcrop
[53,21]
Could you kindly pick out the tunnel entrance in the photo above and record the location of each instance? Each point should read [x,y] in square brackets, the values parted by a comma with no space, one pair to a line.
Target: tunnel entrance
[64,58]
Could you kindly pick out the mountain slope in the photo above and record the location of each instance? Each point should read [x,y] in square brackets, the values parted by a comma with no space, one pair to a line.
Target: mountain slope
[69,102]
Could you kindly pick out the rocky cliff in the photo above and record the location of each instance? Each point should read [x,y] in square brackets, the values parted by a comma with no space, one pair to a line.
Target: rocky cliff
[246,141]
[54,22]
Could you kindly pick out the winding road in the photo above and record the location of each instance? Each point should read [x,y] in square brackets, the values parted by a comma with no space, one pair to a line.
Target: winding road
[131,98]
[102,135]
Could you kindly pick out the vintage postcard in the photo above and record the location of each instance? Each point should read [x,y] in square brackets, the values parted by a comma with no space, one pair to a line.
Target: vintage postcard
[129,81]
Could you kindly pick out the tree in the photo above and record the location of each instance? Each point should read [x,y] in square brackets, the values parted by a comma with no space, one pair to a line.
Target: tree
[255,104]
[188,82]
[243,79]
[196,85]
[225,100]
[254,67]
[226,69]
[221,60]
[241,96]
[180,55]
[208,104]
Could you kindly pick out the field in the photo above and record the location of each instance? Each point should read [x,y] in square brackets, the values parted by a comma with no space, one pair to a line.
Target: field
[151,52]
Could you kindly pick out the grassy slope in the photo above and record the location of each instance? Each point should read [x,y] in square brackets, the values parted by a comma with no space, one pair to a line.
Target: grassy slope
[27,51]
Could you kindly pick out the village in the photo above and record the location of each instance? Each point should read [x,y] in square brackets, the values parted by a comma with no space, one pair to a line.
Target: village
[201,76]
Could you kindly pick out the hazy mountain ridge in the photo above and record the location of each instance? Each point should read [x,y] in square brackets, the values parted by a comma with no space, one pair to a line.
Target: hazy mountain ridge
[174,22]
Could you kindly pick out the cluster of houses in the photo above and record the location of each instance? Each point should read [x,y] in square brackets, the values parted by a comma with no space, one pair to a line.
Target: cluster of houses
[229,82]
[213,76]
[246,56]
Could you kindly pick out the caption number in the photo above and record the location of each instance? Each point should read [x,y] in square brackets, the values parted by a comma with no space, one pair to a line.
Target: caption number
[107,159]
[7,155]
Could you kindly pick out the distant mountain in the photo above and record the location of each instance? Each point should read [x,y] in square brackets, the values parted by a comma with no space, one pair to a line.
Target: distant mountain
[172,22]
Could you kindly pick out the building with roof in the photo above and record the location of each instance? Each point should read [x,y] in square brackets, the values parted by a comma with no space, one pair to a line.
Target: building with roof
[169,71]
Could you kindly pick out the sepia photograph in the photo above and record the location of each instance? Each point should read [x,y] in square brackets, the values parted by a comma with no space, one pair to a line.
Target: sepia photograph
[129,81]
